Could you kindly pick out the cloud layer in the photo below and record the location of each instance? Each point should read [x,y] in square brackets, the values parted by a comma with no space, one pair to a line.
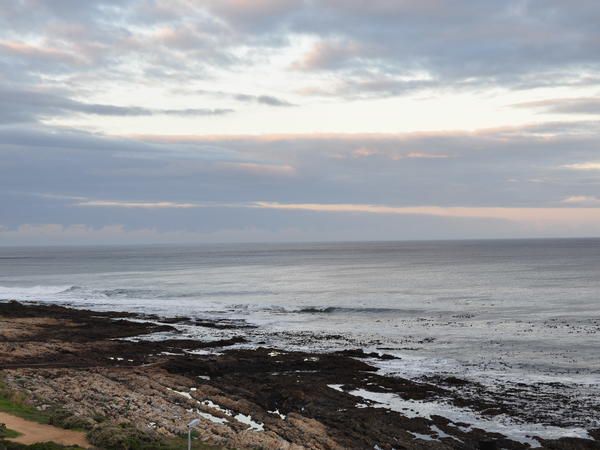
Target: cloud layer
[497,182]
[156,120]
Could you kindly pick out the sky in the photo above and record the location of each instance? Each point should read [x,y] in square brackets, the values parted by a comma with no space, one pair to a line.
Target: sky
[156,121]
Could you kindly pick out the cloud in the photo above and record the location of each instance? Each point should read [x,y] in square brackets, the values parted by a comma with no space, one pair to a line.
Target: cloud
[204,183]
[262,99]
[123,69]
[341,225]
[585,105]
[525,215]
[28,50]
[422,155]
[364,152]
[461,45]
[329,55]
[582,200]
[512,214]
[373,48]
[27,105]
[590,165]
[81,234]
[259,169]
[256,16]
[126,204]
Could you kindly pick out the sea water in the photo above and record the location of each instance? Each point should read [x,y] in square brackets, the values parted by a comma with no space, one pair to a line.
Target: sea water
[498,311]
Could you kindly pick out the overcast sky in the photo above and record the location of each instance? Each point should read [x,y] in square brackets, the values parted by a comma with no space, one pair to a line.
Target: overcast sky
[138,121]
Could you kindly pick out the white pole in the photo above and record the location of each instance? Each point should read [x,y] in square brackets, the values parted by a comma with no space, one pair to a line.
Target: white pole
[192,424]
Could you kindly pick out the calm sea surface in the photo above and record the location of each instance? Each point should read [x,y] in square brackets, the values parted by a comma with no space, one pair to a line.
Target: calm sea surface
[521,310]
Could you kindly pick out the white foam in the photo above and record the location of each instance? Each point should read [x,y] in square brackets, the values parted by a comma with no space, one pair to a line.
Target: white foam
[423,437]
[277,413]
[183,394]
[32,292]
[201,352]
[442,434]
[247,420]
[409,365]
[519,431]
[213,419]
[213,405]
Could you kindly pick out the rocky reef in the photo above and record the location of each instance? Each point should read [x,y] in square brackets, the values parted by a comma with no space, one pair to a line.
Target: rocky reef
[84,368]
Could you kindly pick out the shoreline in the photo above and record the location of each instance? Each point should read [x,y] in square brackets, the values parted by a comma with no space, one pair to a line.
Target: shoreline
[99,367]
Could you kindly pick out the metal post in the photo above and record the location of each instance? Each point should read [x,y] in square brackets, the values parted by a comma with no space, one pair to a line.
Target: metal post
[191,425]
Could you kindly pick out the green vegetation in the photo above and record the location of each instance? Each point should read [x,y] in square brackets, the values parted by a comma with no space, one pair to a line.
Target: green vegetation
[179,443]
[15,403]
[127,437]
[101,432]
[23,410]
[6,445]
[171,444]
[7,432]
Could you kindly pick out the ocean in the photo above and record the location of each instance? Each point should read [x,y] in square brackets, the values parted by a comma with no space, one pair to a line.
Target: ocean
[497,311]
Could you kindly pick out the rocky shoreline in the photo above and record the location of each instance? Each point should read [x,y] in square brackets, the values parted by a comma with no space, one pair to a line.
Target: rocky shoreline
[104,373]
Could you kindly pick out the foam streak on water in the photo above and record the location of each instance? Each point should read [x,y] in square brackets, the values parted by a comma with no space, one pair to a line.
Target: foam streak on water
[507,426]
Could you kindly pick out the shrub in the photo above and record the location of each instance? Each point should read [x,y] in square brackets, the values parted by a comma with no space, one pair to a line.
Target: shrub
[122,437]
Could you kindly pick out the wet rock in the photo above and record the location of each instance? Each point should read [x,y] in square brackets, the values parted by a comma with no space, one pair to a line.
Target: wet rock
[360,353]
[145,389]
[570,444]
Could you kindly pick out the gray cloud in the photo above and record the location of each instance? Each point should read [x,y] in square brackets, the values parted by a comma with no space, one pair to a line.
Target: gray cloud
[382,46]
[21,105]
[455,43]
[263,99]
[55,54]
[586,105]
[204,184]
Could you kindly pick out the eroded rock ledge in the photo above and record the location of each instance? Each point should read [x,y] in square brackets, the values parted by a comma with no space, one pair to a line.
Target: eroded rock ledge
[82,363]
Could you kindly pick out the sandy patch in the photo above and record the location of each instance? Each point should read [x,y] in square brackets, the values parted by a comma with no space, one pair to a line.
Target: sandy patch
[32,432]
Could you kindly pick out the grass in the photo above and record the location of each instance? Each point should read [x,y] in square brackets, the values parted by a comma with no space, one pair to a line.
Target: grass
[179,443]
[7,433]
[24,411]
[15,404]
[126,437]
[115,437]
[40,446]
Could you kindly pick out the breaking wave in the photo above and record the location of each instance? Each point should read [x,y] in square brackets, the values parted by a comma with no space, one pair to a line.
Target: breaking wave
[32,292]
[345,310]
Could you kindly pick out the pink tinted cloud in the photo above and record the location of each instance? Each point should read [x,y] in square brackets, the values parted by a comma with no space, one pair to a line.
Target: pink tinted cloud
[325,54]
[38,51]
[538,217]
[259,168]
[421,155]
